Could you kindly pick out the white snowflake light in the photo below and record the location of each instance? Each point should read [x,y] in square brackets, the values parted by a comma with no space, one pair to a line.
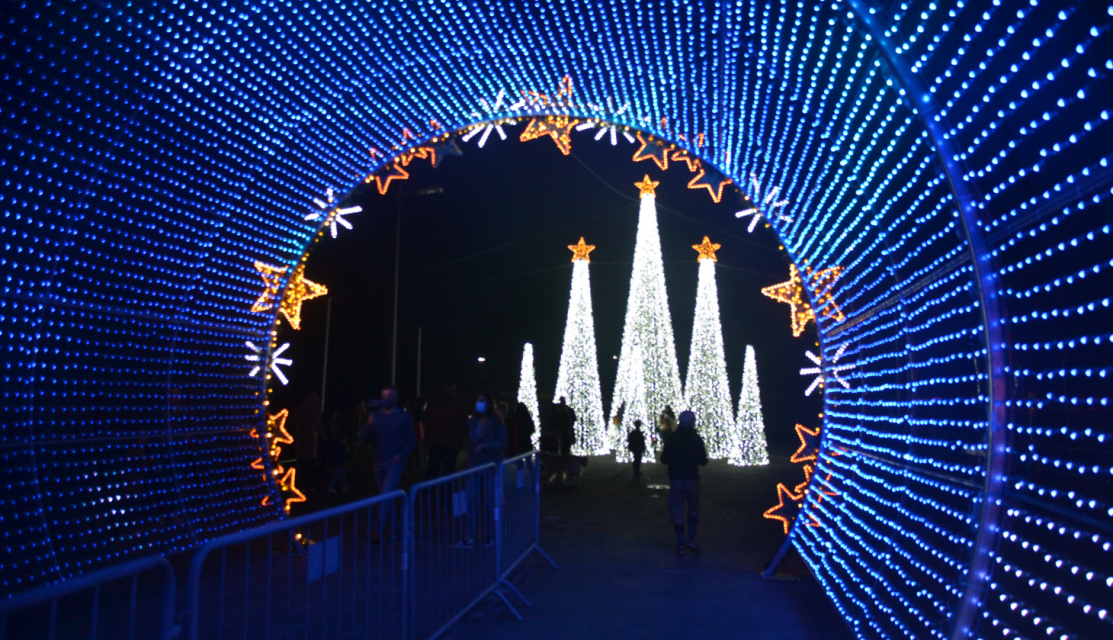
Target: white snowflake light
[770,202]
[331,215]
[275,361]
[490,110]
[833,370]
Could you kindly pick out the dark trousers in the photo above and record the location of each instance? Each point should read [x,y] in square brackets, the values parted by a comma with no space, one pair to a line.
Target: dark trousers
[442,462]
[638,462]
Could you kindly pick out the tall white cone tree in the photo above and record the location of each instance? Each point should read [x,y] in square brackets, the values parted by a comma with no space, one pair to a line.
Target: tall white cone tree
[706,389]
[578,379]
[748,443]
[648,328]
[527,391]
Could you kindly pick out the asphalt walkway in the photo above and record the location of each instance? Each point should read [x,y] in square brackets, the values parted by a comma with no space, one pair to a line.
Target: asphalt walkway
[619,577]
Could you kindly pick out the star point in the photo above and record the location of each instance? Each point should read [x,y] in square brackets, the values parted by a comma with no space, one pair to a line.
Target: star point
[298,290]
[559,128]
[714,186]
[809,444]
[785,511]
[580,251]
[653,150]
[792,293]
[707,250]
[647,186]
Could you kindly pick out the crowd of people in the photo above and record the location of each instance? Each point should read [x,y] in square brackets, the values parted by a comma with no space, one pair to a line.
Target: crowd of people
[485,431]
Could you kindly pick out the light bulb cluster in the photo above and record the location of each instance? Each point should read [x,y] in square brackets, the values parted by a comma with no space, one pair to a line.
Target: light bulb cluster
[948,156]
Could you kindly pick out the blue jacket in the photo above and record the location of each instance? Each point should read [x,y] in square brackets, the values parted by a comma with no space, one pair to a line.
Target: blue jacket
[490,437]
[392,433]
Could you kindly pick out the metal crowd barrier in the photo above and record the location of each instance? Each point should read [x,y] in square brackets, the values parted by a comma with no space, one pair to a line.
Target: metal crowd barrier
[392,566]
[334,574]
[521,514]
[453,537]
[122,601]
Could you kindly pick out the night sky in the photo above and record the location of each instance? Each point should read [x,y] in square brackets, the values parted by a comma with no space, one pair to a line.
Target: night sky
[485,268]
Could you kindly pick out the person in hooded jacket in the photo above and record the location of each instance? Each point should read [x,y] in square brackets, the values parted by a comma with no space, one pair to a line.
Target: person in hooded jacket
[487,435]
[684,452]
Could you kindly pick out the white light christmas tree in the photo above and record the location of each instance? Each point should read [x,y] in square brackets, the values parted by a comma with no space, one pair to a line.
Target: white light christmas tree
[748,438]
[648,329]
[527,392]
[578,379]
[706,389]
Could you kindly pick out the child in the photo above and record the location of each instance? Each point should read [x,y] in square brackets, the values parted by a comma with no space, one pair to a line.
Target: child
[635,443]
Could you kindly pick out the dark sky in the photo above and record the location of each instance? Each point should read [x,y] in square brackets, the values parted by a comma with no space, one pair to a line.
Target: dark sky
[485,268]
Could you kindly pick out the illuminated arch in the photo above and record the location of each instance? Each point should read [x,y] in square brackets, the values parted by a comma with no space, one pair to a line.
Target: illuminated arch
[935,153]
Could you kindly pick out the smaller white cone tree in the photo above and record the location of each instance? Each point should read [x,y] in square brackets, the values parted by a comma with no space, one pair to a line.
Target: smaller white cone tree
[706,389]
[748,444]
[578,378]
[527,392]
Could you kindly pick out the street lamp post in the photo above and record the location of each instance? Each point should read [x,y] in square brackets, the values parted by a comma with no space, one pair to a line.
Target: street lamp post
[427,191]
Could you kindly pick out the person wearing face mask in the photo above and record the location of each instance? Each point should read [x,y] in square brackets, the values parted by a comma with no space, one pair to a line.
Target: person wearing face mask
[487,434]
[392,432]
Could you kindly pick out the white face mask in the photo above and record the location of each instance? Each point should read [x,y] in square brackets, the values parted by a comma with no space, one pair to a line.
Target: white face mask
[481,407]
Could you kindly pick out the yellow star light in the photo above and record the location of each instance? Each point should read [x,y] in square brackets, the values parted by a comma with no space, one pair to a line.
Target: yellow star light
[287,484]
[707,250]
[647,186]
[298,290]
[809,444]
[792,293]
[559,128]
[653,150]
[581,250]
[277,424]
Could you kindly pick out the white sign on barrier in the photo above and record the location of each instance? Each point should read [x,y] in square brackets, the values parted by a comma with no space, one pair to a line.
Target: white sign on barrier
[324,558]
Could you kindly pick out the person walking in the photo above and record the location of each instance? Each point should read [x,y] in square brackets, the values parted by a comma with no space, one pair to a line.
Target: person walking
[487,435]
[635,443]
[563,422]
[526,428]
[666,425]
[307,427]
[684,452]
[392,432]
[445,423]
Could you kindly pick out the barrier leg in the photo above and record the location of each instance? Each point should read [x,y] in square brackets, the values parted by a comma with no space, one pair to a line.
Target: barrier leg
[538,549]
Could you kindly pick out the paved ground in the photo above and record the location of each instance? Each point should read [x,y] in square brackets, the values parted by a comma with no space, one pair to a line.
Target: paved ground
[619,576]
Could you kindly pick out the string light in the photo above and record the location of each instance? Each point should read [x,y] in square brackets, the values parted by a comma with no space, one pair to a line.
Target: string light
[297,291]
[648,375]
[770,202]
[792,293]
[527,392]
[332,216]
[949,156]
[653,149]
[559,128]
[578,376]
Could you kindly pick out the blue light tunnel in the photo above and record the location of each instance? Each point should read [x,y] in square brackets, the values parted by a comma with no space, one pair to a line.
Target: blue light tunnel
[952,157]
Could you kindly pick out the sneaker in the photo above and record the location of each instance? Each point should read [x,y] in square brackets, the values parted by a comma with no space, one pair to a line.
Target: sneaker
[691,544]
[466,543]
[681,549]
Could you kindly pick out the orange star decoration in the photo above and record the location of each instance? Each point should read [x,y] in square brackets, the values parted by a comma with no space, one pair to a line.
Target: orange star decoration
[298,290]
[792,292]
[714,186]
[809,444]
[654,150]
[681,155]
[805,486]
[287,484]
[393,172]
[647,186]
[581,250]
[822,283]
[785,511]
[277,433]
[559,128]
[707,250]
